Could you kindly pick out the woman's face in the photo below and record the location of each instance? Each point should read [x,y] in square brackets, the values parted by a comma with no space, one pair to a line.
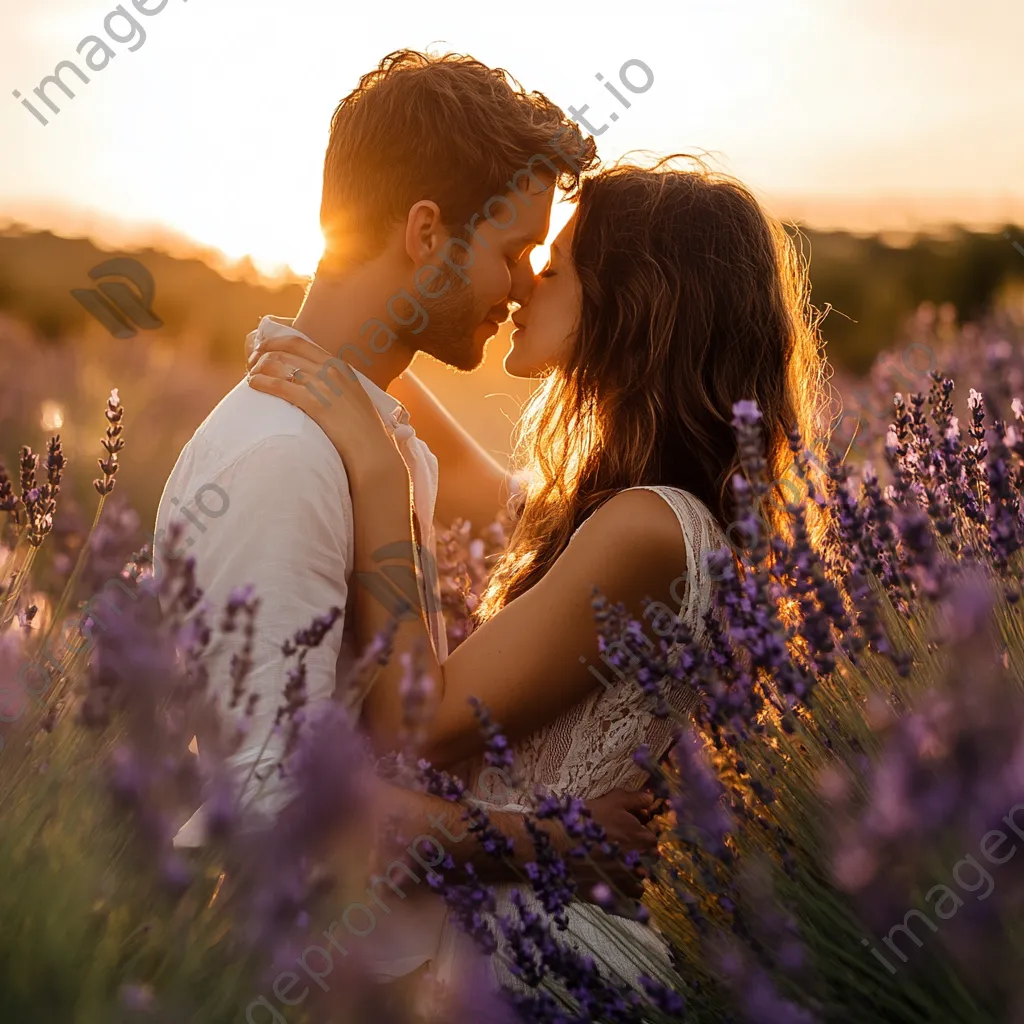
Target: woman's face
[546,324]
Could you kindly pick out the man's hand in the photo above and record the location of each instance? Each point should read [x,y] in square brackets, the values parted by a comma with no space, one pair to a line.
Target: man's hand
[623,816]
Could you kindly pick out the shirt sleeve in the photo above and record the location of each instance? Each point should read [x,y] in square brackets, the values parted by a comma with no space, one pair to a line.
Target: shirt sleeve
[288,533]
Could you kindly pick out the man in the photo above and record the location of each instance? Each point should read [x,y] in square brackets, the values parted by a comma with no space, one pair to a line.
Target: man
[438,182]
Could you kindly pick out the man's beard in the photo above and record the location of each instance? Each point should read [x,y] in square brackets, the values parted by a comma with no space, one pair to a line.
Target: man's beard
[453,321]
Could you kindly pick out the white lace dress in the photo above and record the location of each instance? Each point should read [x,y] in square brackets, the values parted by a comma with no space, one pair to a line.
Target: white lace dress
[586,752]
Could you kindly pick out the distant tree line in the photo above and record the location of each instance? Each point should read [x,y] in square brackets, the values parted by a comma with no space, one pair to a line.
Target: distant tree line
[873,285]
[870,284]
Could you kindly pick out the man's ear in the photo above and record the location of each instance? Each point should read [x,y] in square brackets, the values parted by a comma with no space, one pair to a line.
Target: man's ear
[424,231]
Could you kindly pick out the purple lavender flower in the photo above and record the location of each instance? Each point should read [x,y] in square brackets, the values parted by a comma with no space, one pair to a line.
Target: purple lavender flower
[112,442]
[10,502]
[699,804]
[497,752]
[471,904]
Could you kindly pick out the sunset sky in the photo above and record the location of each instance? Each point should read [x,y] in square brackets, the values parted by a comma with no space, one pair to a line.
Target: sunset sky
[215,127]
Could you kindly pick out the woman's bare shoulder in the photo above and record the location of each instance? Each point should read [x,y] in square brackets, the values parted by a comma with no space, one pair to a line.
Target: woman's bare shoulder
[636,531]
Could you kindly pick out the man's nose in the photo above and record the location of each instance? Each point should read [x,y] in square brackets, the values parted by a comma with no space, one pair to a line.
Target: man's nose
[523,282]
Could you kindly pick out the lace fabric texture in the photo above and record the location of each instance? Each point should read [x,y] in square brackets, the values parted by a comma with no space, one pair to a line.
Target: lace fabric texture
[588,751]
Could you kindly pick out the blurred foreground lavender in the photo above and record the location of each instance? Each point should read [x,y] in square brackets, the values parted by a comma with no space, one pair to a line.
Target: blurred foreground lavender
[843,823]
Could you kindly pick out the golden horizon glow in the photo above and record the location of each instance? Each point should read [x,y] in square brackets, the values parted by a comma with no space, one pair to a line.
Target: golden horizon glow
[215,127]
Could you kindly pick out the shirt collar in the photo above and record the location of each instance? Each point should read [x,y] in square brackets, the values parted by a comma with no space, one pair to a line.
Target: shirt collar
[392,412]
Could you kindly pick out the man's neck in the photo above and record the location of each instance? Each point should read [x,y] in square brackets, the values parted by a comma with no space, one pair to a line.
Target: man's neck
[335,313]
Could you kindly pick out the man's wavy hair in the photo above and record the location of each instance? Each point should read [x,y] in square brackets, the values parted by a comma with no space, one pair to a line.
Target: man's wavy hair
[693,298]
[445,128]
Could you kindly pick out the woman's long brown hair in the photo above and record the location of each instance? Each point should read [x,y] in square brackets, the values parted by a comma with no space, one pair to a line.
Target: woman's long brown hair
[693,299]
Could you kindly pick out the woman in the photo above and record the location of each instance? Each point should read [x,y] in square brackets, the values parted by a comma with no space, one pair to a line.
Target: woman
[669,296]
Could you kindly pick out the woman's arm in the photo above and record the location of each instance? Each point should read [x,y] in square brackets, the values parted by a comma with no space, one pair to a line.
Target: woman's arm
[472,485]
[531,661]
[619,813]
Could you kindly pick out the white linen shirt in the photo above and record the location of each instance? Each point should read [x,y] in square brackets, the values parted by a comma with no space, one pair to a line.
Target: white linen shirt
[285,528]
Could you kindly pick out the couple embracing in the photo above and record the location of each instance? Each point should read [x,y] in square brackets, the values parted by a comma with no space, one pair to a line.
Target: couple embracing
[669,296]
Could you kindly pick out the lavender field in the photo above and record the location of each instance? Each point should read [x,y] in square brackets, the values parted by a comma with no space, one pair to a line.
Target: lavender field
[841,817]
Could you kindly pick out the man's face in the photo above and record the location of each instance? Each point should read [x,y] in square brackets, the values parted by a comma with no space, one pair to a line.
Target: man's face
[478,277]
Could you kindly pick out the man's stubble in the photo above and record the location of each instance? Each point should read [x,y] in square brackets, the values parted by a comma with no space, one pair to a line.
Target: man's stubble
[453,320]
